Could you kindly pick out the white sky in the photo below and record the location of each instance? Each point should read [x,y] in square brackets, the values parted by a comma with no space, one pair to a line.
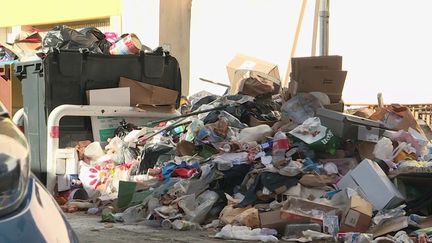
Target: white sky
[385,44]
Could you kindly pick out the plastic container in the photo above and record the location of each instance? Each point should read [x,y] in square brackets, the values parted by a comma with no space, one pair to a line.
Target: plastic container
[280,146]
[295,230]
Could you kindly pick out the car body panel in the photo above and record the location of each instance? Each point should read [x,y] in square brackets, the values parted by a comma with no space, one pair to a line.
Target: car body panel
[39,219]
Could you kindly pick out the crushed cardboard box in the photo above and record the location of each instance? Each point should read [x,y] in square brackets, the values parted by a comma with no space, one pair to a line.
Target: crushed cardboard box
[357,216]
[298,210]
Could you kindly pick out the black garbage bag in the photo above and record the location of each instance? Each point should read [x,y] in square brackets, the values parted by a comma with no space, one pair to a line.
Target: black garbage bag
[94,33]
[152,154]
[64,38]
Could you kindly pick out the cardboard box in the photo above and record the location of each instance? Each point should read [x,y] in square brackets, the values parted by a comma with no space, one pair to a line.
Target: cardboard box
[365,150]
[346,125]
[104,127]
[146,94]
[297,210]
[302,64]
[330,82]
[67,161]
[241,61]
[339,106]
[358,215]
[272,220]
[369,134]
[374,185]
[321,74]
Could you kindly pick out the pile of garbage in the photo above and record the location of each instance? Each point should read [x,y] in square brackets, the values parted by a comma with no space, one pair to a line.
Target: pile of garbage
[33,44]
[262,163]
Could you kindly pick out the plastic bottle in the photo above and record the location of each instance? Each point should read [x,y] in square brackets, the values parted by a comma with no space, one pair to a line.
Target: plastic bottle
[266,145]
[280,146]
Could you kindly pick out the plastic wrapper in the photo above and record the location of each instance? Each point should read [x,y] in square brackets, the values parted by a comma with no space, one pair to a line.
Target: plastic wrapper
[64,38]
[103,178]
[354,237]
[196,209]
[316,136]
[244,233]
[120,152]
[255,134]
[6,55]
[300,108]
[388,214]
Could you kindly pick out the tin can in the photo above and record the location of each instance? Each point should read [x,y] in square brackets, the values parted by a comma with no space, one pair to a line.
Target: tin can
[129,44]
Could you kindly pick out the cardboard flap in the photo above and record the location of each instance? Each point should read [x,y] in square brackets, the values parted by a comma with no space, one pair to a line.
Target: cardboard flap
[70,63]
[154,66]
[361,205]
[147,94]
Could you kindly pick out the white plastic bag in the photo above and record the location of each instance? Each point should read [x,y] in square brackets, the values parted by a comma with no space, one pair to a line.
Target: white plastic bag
[244,233]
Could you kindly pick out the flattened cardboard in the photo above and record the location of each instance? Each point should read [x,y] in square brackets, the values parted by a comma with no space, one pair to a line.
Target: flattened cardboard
[241,61]
[358,215]
[390,225]
[146,94]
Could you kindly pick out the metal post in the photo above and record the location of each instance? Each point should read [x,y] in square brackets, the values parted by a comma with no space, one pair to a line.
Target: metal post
[324,14]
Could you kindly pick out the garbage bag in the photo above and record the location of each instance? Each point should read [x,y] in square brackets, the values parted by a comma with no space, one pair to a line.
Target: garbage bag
[196,209]
[300,108]
[244,233]
[65,38]
[152,154]
[100,39]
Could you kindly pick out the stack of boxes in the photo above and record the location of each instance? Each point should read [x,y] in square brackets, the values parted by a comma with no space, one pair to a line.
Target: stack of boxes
[319,74]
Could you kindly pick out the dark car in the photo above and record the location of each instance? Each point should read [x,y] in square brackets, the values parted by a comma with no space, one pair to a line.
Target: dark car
[28,213]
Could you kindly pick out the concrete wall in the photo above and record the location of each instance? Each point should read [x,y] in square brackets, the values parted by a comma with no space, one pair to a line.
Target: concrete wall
[174,32]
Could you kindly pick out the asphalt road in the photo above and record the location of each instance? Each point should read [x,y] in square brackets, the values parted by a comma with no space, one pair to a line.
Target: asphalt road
[90,230]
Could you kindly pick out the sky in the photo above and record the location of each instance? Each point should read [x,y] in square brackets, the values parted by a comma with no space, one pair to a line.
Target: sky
[385,44]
